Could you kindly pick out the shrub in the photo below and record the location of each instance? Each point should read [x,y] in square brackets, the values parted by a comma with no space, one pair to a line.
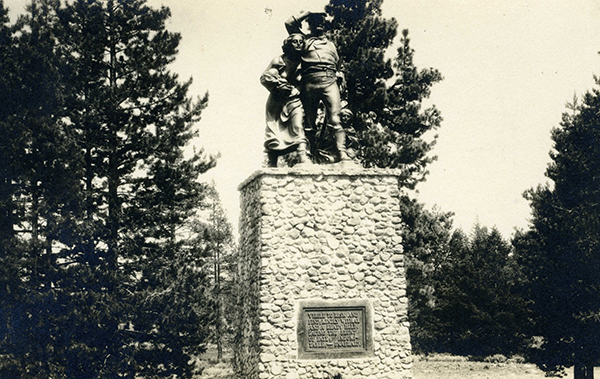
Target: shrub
[496,358]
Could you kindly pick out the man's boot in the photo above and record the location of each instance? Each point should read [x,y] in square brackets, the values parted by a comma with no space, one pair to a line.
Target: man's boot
[340,144]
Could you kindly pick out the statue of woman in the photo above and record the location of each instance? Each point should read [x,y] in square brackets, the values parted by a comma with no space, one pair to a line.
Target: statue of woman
[284,113]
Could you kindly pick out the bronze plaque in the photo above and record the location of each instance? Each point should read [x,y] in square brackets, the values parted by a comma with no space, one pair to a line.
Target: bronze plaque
[335,328]
[334,331]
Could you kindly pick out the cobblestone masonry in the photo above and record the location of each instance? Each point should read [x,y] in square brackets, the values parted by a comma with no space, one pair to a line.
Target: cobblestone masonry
[321,235]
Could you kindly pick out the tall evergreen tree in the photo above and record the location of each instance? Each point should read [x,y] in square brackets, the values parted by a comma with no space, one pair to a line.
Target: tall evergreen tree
[385,95]
[96,195]
[11,289]
[218,244]
[560,251]
[42,158]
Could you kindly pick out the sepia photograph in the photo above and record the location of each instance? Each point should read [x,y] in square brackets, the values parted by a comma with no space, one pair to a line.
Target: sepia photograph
[313,189]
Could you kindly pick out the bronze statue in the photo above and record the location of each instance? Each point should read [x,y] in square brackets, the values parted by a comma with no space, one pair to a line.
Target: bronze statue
[284,112]
[320,72]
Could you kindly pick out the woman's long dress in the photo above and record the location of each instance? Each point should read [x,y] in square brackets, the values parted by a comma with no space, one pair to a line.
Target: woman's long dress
[284,112]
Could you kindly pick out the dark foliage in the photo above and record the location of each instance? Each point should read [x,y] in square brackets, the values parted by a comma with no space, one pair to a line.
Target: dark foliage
[385,95]
[97,279]
[426,236]
[560,252]
[479,311]
[463,291]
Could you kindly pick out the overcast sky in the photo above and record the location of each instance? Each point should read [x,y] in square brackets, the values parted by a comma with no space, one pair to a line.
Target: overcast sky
[509,68]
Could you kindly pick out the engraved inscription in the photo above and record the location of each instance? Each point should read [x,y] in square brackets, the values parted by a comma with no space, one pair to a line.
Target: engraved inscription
[333,328]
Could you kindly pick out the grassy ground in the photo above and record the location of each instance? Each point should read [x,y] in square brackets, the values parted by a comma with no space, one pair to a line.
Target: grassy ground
[431,367]
[452,367]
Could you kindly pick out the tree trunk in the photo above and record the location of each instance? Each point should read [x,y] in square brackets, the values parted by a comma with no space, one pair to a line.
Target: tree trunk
[218,304]
[583,371]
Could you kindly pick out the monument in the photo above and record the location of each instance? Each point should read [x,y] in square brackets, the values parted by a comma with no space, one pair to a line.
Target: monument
[321,287]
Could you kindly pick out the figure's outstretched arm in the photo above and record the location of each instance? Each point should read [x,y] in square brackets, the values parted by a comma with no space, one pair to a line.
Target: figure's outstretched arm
[294,23]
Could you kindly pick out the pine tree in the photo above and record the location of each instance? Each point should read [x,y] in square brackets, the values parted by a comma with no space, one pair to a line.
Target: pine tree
[218,244]
[386,96]
[560,250]
[11,287]
[41,171]
[97,193]
[136,119]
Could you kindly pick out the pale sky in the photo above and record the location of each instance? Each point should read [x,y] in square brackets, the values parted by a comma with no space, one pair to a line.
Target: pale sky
[509,68]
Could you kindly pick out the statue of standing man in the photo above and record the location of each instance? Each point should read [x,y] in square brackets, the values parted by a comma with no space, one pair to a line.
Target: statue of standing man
[319,68]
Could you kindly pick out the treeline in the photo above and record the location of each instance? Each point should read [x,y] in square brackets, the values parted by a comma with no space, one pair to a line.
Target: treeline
[465,290]
[537,295]
[108,267]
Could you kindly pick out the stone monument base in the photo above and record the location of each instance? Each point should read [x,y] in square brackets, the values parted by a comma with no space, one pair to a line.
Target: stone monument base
[321,284]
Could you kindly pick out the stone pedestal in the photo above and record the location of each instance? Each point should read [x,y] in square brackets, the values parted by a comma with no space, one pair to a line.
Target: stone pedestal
[321,284]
